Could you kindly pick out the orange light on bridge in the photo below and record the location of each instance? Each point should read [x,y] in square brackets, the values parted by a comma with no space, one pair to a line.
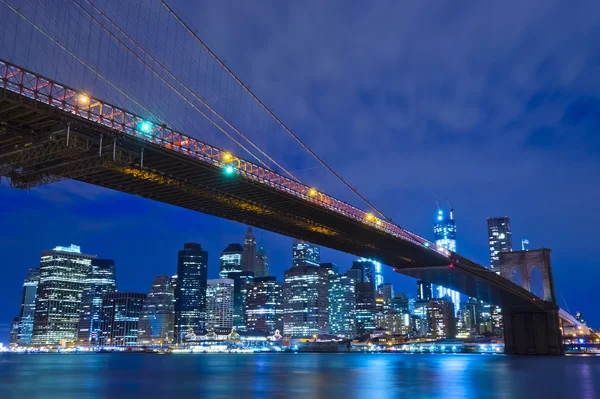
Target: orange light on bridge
[83,99]
[312,192]
[227,156]
[378,222]
[370,216]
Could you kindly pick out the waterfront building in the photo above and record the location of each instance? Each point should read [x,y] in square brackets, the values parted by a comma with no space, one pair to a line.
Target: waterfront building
[219,303]
[441,318]
[500,238]
[27,312]
[445,236]
[393,322]
[342,306]
[240,291]
[305,254]
[157,319]
[386,293]
[190,291]
[63,278]
[119,320]
[472,316]
[400,304]
[424,291]
[100,279]
[262,263]
[419,319]
[305,301]
[264,305]
[231,260]
[365,308]
[13,332]
[249,252]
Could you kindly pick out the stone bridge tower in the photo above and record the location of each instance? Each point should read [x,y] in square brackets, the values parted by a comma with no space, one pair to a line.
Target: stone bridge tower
[524,262]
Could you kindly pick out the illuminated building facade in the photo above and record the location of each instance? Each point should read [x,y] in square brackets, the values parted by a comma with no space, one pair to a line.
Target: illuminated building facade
[231,260]
[249,252]
[28,307]
[240,291]
[424,292]
[13,332]
[305,254]
[100,280]
[219,303]
[120,318]
[445,236]
[367,271]
[157,319]
[441,319]
[386,293]
[262,263]
[190,292]
[342,306]
[365,308]
[500,238]
[264,305]
[63,278]
[305,301]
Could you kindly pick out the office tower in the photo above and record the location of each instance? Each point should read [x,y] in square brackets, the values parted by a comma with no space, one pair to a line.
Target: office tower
[342,306]
[157,319]
[331,267]
[445,236]
[423,291]
[100,279]
[393,322]
[305,301]
[262,263]
[386,293]
[231,260]
[441,318]
[419,319]
[249,252]
[219,303]
[28,307]
[120,316]
[472,316]
[13,333]
[365,308]
[190,293]
[63,277]
[500,237]
[367,272]
[264,305]
[400,303]
[240,291]
[305,254]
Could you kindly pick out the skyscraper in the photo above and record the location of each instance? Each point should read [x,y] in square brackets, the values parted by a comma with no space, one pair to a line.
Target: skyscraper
[157,319]
[63,277]
[249,252]
[441,318]
[219,303]
[305,254]
[100,279]
[500,237]
[28,307]
[13,332]
[231,260]
[445,236]
[262,263]
[365,308]
[120,318]
[423,290]
[342,306]
[190,293]
[240,290]
[264,305]
[305,301]
[386,293]
[368,272]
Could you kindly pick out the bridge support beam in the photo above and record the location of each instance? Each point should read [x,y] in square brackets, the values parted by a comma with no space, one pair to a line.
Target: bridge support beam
[533,332]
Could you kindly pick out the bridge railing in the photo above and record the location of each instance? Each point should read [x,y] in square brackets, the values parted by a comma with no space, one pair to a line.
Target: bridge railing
[46,91]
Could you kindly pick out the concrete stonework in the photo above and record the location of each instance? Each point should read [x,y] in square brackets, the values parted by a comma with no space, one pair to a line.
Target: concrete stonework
[528,332]
[525,261]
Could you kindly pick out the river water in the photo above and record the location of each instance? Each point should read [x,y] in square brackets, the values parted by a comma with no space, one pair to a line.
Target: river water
[304,376]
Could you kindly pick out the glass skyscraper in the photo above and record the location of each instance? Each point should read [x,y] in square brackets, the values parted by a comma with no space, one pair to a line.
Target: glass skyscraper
[500,238]
[264,305]
[445,236]
[240,289]
[342,306]
[63,278]
[305,254]
[231,260]
[157,319]
[305,301]
[219,303]
[262,263]
[368,271]
[190,292]
[28,307]
[100,279]
[120,318]
[249,252]
[365,308]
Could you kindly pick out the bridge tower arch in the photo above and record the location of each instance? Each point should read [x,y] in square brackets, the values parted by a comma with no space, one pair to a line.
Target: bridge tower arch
[525,262]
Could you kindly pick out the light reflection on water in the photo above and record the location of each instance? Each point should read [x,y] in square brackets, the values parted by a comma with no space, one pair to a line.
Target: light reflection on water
[306,376]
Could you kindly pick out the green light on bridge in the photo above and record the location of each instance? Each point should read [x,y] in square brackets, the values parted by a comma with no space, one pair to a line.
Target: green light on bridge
[145,127]
[229,170]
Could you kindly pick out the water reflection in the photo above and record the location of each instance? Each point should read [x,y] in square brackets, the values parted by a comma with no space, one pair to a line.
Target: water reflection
[304,376]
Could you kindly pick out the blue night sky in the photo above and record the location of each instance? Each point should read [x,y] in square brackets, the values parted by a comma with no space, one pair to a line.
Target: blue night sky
[493,106]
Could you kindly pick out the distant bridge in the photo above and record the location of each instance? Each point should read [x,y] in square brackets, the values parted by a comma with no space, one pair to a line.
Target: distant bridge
[50,132]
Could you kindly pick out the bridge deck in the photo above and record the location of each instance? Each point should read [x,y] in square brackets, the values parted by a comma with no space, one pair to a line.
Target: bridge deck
[47,136]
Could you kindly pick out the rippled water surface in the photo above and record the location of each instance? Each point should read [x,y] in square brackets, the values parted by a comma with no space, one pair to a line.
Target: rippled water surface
[298,376]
